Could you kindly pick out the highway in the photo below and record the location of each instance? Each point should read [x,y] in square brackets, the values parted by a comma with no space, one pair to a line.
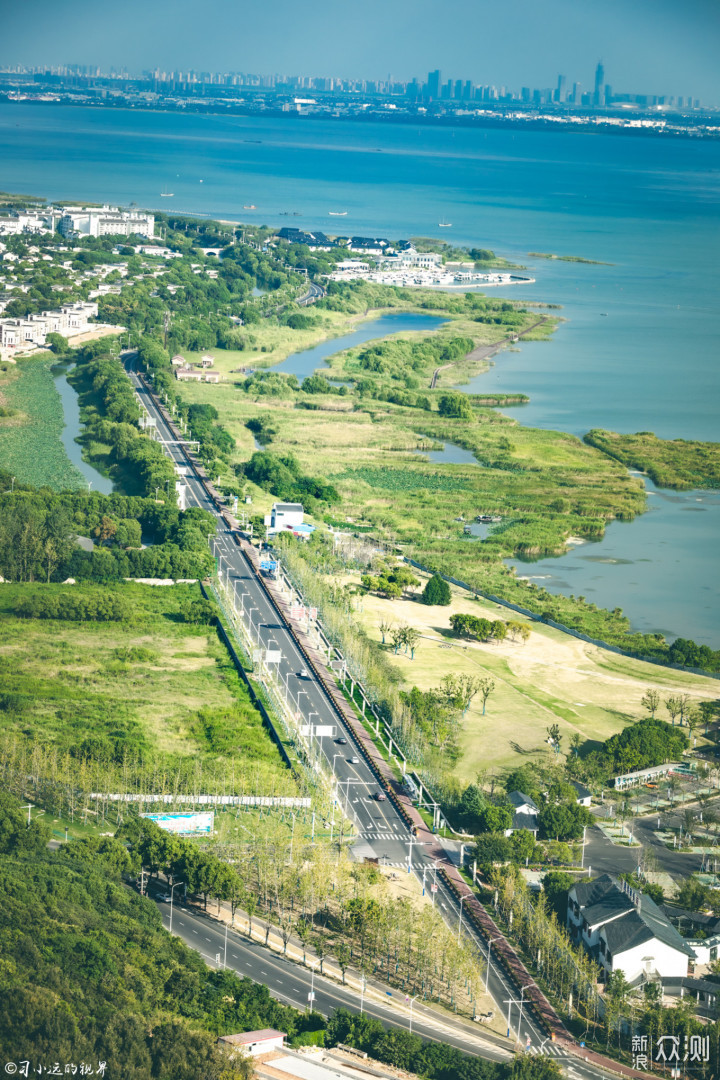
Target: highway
[382,831]
[291,983]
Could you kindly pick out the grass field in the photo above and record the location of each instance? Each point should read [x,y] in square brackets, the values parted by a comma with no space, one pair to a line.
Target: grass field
[30,446]
[155,686]
[268,343]
[553,678]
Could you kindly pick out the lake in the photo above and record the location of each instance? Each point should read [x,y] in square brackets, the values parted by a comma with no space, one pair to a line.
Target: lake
[641,566]
[639,348]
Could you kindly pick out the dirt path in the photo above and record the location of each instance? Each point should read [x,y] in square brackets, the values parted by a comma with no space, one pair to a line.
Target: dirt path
[484,352]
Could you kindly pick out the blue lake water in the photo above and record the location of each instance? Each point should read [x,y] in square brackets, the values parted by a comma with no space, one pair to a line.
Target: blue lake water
[640,347]
[641,566]
[304,363]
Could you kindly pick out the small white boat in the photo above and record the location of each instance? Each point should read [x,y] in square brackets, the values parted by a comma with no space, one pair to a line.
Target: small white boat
[337,213]
[167,194]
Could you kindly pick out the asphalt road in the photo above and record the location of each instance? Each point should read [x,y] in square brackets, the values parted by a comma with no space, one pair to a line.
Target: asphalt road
[313,293]
[292,984]
[379,825]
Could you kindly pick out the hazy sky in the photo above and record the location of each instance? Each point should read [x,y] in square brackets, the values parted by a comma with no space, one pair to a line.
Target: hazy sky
[655,46]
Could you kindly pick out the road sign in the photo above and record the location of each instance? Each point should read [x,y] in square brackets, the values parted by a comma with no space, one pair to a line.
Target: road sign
[273,656]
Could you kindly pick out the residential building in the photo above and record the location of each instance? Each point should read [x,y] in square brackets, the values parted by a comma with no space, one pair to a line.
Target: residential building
[189,374]
[624,930]
[583,795]
[369,245]
[525,812]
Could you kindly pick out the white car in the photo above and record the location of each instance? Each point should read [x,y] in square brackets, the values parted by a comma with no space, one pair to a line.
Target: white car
[303,673]
[354,760]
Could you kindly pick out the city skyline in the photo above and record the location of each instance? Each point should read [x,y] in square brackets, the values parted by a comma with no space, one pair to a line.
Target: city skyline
[652,46]
[435,88]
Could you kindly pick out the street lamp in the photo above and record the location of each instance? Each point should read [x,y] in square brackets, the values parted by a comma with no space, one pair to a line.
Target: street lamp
[462,898]
[311,995]
[522,1002]
[172,889]
[487,973]
[411,1005]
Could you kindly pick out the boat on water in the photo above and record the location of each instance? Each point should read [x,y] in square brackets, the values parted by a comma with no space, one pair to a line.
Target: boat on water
[252,206]
[444,225]
[337,213]
[167,194]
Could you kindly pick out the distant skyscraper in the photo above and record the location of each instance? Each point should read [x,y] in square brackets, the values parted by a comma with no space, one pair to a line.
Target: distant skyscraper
[599,96]
[576,93]
[560,91]
[433,84]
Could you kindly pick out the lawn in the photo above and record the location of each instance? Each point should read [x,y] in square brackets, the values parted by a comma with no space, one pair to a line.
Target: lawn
[30,446]
[553,678]
[154,690]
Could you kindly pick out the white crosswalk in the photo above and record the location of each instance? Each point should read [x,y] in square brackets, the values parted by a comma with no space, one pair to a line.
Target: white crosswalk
[382,836]
[551,1050]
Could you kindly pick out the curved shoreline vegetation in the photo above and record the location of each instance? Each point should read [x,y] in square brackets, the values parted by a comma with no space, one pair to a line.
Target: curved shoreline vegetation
[567,258]
[681,464]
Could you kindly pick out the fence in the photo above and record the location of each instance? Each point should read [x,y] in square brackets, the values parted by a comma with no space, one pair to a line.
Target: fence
[209,800]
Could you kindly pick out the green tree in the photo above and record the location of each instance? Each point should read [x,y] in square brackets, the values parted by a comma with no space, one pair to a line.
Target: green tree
[651,701]
[494,819]
[556,884]
[692,895]
[437,592]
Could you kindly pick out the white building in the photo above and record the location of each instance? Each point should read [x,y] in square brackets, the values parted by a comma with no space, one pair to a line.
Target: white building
[253,1043]
[71,319]
[624,930]
[106,221]
[41,220]
[285,516]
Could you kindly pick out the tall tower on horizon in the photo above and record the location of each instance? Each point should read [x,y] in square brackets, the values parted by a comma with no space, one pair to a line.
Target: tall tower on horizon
[433,84]
[599,95]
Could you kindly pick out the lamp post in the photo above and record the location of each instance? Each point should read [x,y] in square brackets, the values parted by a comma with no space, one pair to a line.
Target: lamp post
[462,898]
[311,995]
[362,993]
[487,973]
[412,1000]
[522,1002]
[172,890]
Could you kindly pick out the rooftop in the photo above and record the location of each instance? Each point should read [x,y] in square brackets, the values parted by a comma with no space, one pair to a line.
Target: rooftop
[247,1038]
